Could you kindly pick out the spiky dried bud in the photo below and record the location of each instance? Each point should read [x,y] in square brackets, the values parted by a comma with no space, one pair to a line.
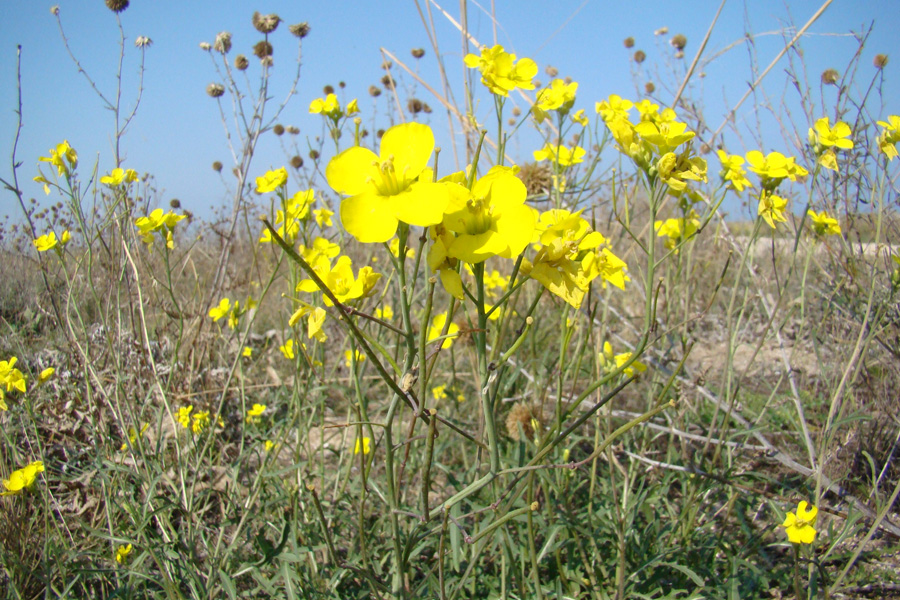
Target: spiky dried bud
[705,149]
[551,71]
[142,41]
[262,49]
[54,10]
[661,31]
[117,6]
[300,30]
[830,76]
[418,52]
[629,42]
[640,56]
[341,84]
[414,105]
[379,134]
[241,63]
[426,109]
[364,133]
[314,154]
[175,203]
[374,91]
[511,122]
[265,23]
[388,82]
[217,166]
[223,42]
[386,65]
[568,80]
[296,162]
[880,61]
[205,46]
[278,129]
[678,41]
[267,61]
[215,90]
[328,90]
[520,414]
[293,130]
[649,87]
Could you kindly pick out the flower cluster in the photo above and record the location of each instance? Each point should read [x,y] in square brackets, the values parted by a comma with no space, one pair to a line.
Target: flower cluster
[118,176]
[158,222]
[330,107]
[890,136]
[559,96]
[677,230]
[195,421]
[11,379]
[824,139]
[501,72]
[49,241]
[799,527]
[22,479]
[233,312]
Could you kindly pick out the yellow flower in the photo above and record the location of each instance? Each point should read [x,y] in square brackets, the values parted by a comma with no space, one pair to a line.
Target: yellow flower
[271,181]
[3,405]
[352,107]
[439,392]
[157,221]
[437,327]
[614,108]
[580,118]
[46,242]
[560,96]
[385,190]
[560,154]
[677,230]
[268,445]
[46,374]
[824,224]
[122,553]
[491,220]
[63,157]
[287,221]
[133,436]
[612,361]
[315,324]
[323,217]
[888,139]
[774,167]
[349,356]
[340,280]
[288,349]
[394,247]
[22,479]
[799,527]
[254,413]
[836,136]
[10,377]
[664,135]
[200,421]
[217,312]
[118,176]
[771,208]
[732,171]
[247,352]
[500,72]
[184,415]
[330,107]
[364,447]
[677,169]
[385,314]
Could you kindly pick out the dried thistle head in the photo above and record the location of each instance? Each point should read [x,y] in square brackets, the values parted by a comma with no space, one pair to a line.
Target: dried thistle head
[217,166]
[215,90]
[537,177]
[300,30]
[175,203]
[551,71]
[314,154]
[414,105]
[521,418]
[296,162]
[629,42]
[649,87]
[262,49]
[241,63]
[426,109]
[418,52]
[265,23]
[293,130]
[328,89]
[374,91]
[205,46]
[388,82]
[278,129]
[880,61]
[117,6]
[640,56]
[678,41]
[830,76]
[223,42]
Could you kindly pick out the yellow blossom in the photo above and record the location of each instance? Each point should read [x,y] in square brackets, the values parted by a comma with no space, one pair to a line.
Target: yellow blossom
[22,479]
[46,374]
[439,392]
[287,349]
[500,72]
[677,230]
[733,171]
[217,312]
[823,224]
[271,181]
[612,361]
[323,217]
[774,167]
[340,280]
[10,377]
[46,242]
[799,527]
[158,221]
[63,157]
[890,136]
[394,247]
[771,208]
[118,176]
[614,108]
[560,96]
[122,553]
[200,421]
[268,445]
[184,415]
[437,328]
[133,436]
[836,136]
[349,357]
[254,413]
[560,154]
[247,352]
[365,447]
[385,314]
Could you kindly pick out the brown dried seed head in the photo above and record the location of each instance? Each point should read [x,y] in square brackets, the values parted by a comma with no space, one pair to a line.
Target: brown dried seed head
[278,129]
[296,162]
[516,111]
[117,6]
[678,41]
[830,76]
[215,90]
[640,56]
[379,134]
[880,61]
[388,82]
[374,91]
[241,63]
[551,71]
[418,52]
[426,109]
[300,30]
[265,23]
[520,415]
[217,166]
[629,42]
[341,84]
[386,65]
[328,90]
[414,105]
[293,130]
[649,87]
[262,49]
[175,203]
[223,42]
[314,154]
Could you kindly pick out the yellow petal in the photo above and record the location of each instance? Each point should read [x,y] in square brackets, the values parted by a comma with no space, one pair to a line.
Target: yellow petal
[351,171]
[410,145]
[369,218]
[422,204]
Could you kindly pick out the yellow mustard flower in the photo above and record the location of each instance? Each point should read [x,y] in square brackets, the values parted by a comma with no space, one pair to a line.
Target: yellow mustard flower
[268,445]
[799,527]
[271,181]
[733,172]
[774,167]
[890,136]
[677,230]
[158,221]
[386,190]
[287,349]
[349,357]
[824,224]
[133,436]
[491,219]
[200,421]
[394,247]
[666,136]
[677,169]
[323,217]
[222,310]
[385,313]
[63,157]
[22,479]
[340,280]
[580,118]
[560,154]
[330,107]
[559,96]
[247,352]
[184,416]
[122,553]
[11,377]
[827,136]
[315,324]
[500,72]
[614,108]
[46,374]
[118,176]
[364,446]
[254,413]
[46,242]
[439,392]
[287,221]
[611,361]
[495,283]
[771,208]
[3,405]
[437,327]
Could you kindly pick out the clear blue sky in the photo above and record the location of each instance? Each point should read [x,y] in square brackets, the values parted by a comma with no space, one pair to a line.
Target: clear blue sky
[177,133]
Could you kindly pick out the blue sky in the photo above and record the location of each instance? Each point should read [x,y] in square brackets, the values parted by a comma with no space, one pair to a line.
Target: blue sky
[178,133]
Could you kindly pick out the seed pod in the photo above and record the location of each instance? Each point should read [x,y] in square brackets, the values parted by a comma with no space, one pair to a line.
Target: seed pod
[215,90]
[241,63]
[300,30]
[265,23]
[117,6]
